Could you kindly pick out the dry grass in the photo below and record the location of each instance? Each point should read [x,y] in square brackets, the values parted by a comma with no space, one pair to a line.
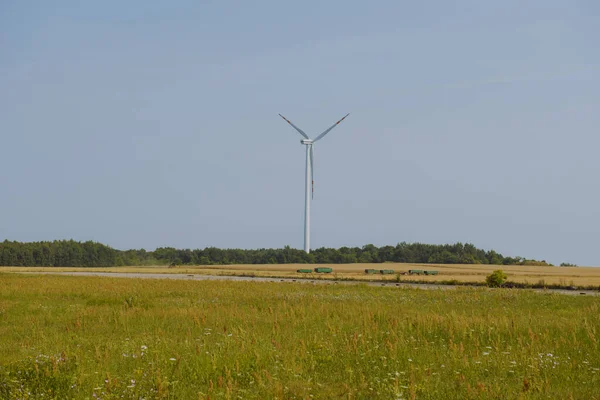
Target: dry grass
[579,276]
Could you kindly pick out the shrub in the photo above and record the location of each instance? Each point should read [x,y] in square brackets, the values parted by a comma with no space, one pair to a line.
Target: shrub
[567,265]
[496,279]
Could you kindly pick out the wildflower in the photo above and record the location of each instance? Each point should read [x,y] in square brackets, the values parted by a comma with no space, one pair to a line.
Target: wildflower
[173,359]
[144,348]
[486,354]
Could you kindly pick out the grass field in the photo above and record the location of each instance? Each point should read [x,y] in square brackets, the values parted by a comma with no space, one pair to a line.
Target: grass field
[578,276]
[88,337]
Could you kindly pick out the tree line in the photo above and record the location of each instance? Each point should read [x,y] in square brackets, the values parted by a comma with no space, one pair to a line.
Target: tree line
[70,253]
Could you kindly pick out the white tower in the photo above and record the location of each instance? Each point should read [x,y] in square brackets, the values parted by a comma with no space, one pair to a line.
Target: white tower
[309,184]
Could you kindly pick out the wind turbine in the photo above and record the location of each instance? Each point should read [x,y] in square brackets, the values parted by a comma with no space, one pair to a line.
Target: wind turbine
[309,143]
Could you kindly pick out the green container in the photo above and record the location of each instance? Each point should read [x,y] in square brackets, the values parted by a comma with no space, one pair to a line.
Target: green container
[323,270]
[415,271]
[304,271]
[386,271]
[370,271]
[431,272]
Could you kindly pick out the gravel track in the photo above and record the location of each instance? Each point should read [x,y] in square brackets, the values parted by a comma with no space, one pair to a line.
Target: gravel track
[427,286]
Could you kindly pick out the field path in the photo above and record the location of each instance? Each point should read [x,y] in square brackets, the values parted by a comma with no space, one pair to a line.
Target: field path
[427,286]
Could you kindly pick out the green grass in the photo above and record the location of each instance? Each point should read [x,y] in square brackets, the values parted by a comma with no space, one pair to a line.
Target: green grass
[88,337]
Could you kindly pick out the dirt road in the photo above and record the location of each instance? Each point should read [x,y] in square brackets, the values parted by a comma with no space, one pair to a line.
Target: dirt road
[427,286]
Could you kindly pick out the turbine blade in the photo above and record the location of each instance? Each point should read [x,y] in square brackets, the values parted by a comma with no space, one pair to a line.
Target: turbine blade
[332,126]
[312,171]
[295,127]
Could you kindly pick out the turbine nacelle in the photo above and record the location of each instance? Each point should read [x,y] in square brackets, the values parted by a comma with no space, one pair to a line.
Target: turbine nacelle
[306,141]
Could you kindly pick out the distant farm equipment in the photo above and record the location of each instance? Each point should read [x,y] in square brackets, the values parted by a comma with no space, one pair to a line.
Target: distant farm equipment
[421,272]
[371,271]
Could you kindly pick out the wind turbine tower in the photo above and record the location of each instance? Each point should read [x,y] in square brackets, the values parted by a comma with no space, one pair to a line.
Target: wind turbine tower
[309,188]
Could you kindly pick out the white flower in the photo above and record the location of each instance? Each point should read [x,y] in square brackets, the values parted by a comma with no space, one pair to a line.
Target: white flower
[173,359]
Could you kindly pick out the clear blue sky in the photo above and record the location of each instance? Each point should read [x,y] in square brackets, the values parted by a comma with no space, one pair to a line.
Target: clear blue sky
[143,124]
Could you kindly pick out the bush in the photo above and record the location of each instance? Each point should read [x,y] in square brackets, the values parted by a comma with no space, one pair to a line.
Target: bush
[567,265]
[496,279]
